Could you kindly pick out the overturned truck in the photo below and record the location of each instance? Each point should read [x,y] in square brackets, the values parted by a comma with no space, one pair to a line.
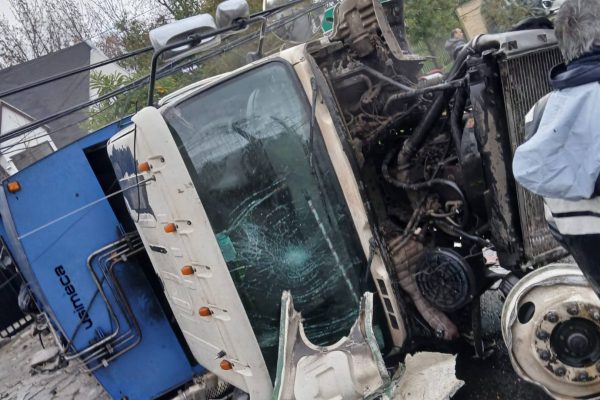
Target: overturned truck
[330,170]
[335,169]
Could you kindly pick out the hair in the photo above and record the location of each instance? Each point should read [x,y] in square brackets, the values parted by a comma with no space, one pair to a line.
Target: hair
[577,28]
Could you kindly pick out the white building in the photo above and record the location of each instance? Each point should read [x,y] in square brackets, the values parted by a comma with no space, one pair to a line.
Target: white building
[39,102]
[19,152]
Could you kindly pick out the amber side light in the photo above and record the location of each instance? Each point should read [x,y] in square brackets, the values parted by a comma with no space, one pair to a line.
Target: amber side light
[187,270]
[205,312]
[170,228]
[226,365]
[143,167]
[13,187]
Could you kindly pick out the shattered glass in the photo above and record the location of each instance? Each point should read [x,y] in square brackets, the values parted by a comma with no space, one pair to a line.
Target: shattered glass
[273,201]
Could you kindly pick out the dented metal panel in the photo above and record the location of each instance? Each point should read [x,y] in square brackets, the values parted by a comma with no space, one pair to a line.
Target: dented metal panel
[351,369]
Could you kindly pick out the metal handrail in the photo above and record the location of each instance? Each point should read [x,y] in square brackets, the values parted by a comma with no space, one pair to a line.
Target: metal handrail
[121,246]
[119,291]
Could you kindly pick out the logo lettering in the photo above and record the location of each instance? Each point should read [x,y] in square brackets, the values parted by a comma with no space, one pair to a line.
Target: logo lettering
[70,290]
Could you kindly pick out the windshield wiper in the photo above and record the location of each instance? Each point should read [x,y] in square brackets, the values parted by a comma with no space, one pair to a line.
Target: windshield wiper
[313,118]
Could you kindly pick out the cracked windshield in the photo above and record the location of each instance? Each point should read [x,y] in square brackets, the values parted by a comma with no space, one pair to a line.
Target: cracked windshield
[273,201]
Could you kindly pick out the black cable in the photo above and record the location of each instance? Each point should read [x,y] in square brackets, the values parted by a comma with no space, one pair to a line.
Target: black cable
[75,71]
[456,118]
[457,232]
[385,172]
[163,71]
[197,38]
[34,125]
[25,139]
[421,132]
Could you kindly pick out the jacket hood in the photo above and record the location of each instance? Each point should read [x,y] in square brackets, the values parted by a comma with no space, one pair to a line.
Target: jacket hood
[584,70]
[452,43]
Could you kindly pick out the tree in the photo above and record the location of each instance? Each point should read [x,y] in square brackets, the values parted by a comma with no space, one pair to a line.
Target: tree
[428,26]
[180,9]
[501,15]
[48,26]
[131,34]
[42,27]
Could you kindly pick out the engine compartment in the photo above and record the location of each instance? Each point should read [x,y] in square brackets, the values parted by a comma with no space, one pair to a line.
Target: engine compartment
[433,156]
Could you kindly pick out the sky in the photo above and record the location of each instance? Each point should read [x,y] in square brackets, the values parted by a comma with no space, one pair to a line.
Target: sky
[134,4]
[5,10]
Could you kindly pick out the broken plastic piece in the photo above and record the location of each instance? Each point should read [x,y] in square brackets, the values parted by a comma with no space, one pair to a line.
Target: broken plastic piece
[351,369]
[418,372]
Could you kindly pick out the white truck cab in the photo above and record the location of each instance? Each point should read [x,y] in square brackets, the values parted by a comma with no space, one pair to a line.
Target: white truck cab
[245,196]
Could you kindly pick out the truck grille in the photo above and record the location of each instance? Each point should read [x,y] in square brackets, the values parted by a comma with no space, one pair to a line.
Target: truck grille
[524,82]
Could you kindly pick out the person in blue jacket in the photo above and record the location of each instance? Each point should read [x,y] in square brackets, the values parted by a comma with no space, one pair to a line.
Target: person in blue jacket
[561,159]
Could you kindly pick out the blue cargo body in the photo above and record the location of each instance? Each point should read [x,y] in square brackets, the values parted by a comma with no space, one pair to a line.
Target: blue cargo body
[52,230]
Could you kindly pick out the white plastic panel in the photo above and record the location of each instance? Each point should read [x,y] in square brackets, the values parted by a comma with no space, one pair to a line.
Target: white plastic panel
[170,197]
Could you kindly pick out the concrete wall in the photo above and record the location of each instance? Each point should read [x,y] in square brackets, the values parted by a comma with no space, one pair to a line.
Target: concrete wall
[470,16]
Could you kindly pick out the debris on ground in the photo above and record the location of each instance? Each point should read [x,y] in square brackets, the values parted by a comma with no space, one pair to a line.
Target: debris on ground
[46,360]
[421,371]
[29,372]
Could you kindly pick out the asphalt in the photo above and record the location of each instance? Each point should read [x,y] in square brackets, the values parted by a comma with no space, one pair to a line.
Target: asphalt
[494,377]
[489,379]
[19,382]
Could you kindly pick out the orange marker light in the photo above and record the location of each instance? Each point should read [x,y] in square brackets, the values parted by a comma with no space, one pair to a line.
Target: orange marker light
[205,312]
[226,365]
[187,270]
[170,228]
[13,187]
[143,167]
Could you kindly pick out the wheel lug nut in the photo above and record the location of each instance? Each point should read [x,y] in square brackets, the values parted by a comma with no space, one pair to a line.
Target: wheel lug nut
[545,355]
[560,371]
[582,376]
[542,335]
[573,309]
[552,317]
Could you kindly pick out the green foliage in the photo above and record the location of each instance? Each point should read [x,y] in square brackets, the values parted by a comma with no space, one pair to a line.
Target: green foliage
[500,15]
[133,34]
[428,26]
[429,23]
[430,20]
[113,109]
[180,9]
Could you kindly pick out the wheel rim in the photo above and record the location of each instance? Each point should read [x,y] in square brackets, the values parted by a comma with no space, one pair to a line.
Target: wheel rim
[551,326]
